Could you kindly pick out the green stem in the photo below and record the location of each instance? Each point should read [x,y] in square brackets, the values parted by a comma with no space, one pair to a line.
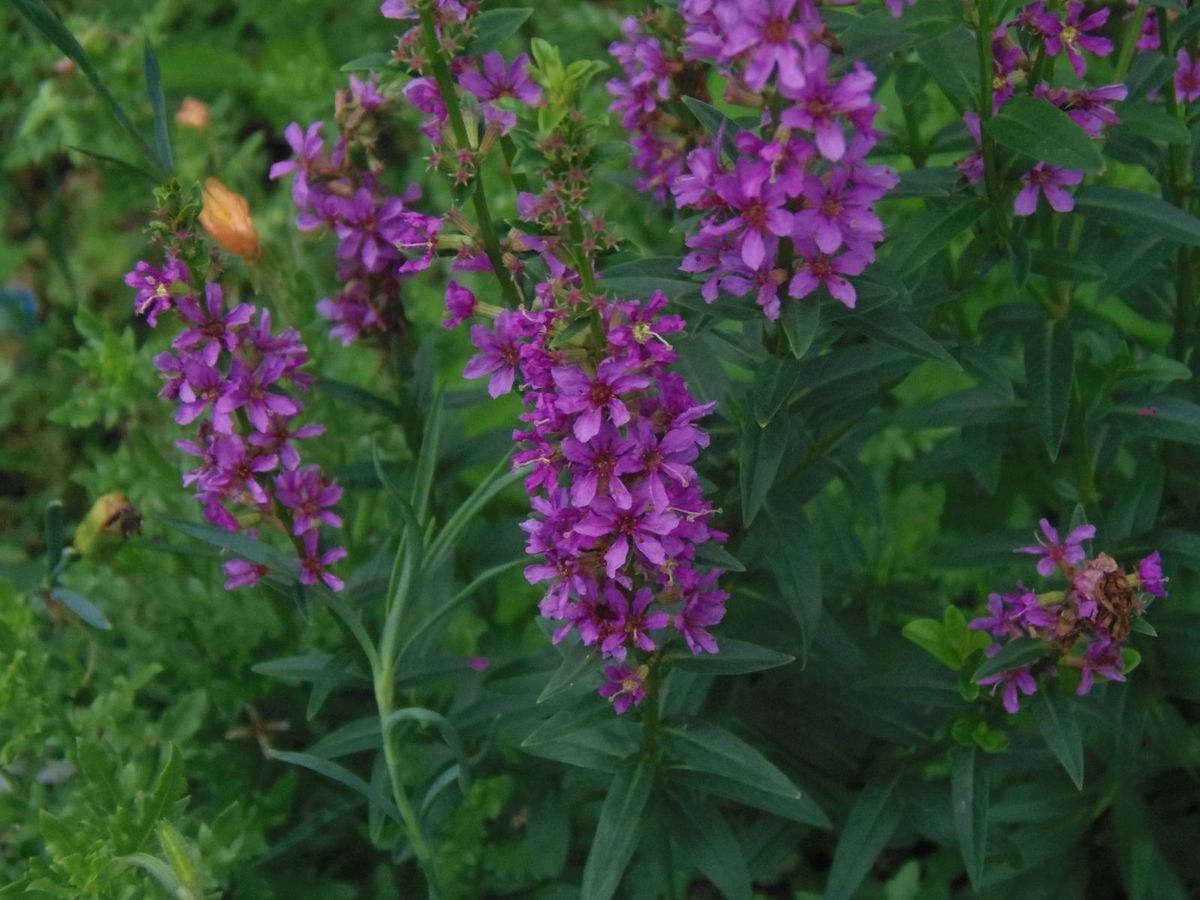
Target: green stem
[518,179]
[987,145]
[582,261]
[916,147]
[483,215]
[1129,43]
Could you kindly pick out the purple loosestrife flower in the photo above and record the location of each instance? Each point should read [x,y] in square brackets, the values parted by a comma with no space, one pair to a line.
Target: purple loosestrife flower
[498,80]
[1150,573]
[767,36]
[817,269]
[213,329]
[314,565]
[820,104]
[1071,36]
[589,397]
[1088,108]
[500,356]
[1187,77]
[1050,181]
[309,495]
[1102,657]
[239,573]
[461,304]
[757,204]
[1015,681]
[838,212]
[1057,555]
[631,623]
[638,524]
[598,465]
[153,286]
[625,687]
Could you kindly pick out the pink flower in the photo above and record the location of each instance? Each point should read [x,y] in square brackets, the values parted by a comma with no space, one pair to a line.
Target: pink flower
[1055,554]
[1187,77]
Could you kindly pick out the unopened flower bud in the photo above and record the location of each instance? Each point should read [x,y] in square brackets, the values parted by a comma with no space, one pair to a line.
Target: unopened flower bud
[194,114]
[226,217]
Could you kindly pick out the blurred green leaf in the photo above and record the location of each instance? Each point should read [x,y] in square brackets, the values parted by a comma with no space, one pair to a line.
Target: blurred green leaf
[872,821]
[82,607]
[494,26]
[617,831]
[1042,131]
[969,785]
[1049,371]
[1013,655]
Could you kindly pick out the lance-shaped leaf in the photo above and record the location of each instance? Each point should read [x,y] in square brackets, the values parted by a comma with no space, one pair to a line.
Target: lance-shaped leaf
[969,798]
[1042,131]
[1055,718]
[870,826]
[617,831]
[1049,370]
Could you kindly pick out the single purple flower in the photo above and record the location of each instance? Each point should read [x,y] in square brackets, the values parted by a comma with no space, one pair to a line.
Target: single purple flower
[153,286]
[1055,554]
[309,494]
[639,524]
[461,303]
[1072,36]
[820,104]
[239,573]
[1016,682]
[214,330]
[1150,573]
[500,356]
[815,268]
[758,206]
[588,398]
[1187,77]
[1103,658]
[314,566]
[631,622]
[1051,181]
[625,687]
[499,80]
[598,466]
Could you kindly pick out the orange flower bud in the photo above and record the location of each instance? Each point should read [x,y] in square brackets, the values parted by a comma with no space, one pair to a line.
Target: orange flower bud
[194,114]
[226,217]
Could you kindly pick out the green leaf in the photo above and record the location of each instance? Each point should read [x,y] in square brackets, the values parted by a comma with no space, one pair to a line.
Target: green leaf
[239,544]
[1062,265]
[870,826]
[618,830]
[1055,718]
[797,809]
[930,636]
[307,667]
[736,658]
[931,231]
[1013,655]
[427,459]
[182,861]
[794,564]
[888,326]
[1042,131]
[449,733]
[82,607]
[709,748]
[969,800]
[100,769]
[343,777]
[1049,370]
[370,62]
[710,845]
[1130,210]
[354,737]
[54,534]
[168,785]
[1167,418]
[801,321]
[343,392]
[762,451]
[577,664]
[716,123]
[494,26]
[642,277]
[160,872]
[1154,123]
[773,386]
[162,138]
[952,58]
[52,28]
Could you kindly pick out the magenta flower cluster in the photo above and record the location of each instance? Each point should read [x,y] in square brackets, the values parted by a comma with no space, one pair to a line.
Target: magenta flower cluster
[792,211]
[381,240]
[235,381]
[1091,109]
[609,440]
[1086,624]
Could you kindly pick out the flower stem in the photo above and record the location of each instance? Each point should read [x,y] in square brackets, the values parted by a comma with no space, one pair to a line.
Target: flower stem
[483,215]
[1176,189]
[987,145]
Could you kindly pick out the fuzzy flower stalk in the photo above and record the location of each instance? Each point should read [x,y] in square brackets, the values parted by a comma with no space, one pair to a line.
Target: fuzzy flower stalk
[1084,624]
[788,207]
[236,383]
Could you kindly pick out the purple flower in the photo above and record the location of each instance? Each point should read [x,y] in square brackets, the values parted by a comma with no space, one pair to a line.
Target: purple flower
[1187,77]
[239,573]
[837,212]
[499,80]
[500,354]
[598,466]
[1103,658]
[625,687]
[1054,554]
[588,398]
[249,389]
[639,524]
[1015,681]
[215,330]
[817,268]
[314,566]
[972,166]
[765,32]
[366,93]
[153,286]
[1150,573]
[309,149]
[461,303]
[1051,181]
[820,103]
[631,622]
[309,494]
[758,204]
[1072,35]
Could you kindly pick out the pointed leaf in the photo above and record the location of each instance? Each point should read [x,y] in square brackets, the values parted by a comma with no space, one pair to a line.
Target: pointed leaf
[1013,655]
[801,321]
[710,748]
[1049,370]
[1130,210]
[617,831]
[801,809]
[870,826]
[1055,718]
[716,123]
[711,846]
[82,607]
[887,326]
[736,658]
[494,26]
[577,664]
[762,452]
[343,777]
[1042,131]
[162,138]
[969,798]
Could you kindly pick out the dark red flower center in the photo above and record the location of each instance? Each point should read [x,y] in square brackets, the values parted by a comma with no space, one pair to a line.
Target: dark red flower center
[755,215]
[778,31]
[601,394]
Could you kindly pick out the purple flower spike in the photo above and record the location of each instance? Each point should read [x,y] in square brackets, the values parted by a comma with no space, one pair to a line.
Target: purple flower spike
[1054,555]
